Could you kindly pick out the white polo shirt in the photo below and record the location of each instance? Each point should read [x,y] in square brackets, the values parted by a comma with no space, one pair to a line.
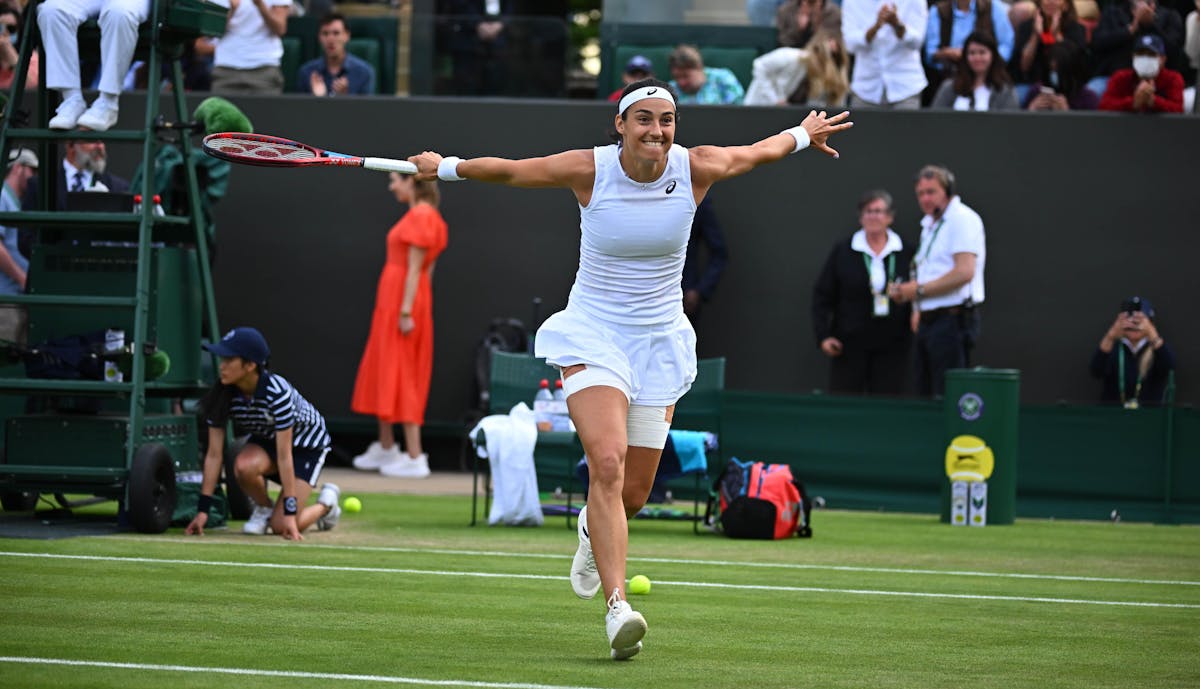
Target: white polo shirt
[960,230]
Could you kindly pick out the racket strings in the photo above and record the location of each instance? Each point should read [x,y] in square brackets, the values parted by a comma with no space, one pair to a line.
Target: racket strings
[261,149]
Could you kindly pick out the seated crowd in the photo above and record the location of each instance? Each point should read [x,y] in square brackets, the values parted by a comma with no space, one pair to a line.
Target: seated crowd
[971,55]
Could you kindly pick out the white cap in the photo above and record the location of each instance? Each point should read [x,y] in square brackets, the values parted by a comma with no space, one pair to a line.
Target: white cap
[23,156]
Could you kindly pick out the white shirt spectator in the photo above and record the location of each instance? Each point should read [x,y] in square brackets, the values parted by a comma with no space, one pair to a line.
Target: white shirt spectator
[1191,44]
[248,43]
[960,230]
[887,67]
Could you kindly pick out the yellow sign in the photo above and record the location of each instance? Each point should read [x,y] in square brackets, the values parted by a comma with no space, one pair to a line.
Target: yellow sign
[969,459]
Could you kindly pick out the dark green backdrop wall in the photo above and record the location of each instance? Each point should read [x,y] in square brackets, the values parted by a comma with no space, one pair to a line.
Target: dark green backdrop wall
[1081,210]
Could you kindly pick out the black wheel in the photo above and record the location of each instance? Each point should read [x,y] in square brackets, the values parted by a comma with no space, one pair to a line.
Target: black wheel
[240,507]
[151,491]
[18,501]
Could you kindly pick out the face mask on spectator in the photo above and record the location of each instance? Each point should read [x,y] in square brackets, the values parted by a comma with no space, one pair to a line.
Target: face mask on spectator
[1146,66]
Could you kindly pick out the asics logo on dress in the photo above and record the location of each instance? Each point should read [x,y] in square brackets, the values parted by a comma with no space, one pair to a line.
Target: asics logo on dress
[671,187]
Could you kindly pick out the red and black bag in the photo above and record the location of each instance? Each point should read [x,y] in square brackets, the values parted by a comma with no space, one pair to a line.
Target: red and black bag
[761,501]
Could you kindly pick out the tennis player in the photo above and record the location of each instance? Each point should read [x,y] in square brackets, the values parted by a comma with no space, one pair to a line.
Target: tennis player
[626,351]
[287,444]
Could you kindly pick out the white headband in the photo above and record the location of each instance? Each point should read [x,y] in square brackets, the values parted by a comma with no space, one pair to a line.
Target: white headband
[644,92]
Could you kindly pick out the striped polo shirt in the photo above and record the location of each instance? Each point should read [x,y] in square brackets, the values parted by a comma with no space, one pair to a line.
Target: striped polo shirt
[275,406]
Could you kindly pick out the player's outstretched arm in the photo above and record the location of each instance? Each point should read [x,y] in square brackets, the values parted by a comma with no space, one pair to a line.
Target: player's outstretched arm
[570,169]
[711,164]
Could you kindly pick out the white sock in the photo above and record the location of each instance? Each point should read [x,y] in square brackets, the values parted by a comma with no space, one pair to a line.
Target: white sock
[109,100]
[71,94]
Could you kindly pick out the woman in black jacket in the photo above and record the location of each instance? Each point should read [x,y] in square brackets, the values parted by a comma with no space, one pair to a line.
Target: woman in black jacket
[867,337]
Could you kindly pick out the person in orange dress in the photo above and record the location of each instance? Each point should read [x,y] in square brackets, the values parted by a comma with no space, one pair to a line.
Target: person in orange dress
[397,364]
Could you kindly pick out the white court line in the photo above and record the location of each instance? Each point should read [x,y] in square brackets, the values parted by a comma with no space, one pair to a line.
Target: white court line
[282,673]
[546,577]
[681,561]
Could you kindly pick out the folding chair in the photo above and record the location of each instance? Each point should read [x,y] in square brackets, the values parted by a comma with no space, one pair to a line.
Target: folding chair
[700,410]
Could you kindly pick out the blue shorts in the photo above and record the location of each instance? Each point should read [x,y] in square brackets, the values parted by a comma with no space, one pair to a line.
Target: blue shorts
[306,461]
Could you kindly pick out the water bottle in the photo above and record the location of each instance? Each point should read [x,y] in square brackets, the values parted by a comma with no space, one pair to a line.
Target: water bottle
[158,209]
[543,402]
[562,418]
[137,203]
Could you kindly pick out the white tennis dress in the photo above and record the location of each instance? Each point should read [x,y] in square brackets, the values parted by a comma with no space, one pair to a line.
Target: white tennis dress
[625,312]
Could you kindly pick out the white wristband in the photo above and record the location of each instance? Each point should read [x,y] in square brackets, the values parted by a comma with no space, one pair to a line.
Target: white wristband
[448,169]
[800,134]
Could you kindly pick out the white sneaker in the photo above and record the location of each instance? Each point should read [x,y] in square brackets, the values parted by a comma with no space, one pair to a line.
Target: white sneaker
[372,458]
[68,112]
[259,521]
[407,467]
[585,580]
[100,117]
[625,627]
[330,519]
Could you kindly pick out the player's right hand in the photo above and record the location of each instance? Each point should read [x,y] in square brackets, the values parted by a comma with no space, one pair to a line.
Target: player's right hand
[427,165]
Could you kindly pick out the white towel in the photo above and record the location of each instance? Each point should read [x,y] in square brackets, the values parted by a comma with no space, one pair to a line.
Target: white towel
[510,439]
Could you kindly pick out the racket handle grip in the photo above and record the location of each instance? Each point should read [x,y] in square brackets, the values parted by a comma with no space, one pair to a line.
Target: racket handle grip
[390,165]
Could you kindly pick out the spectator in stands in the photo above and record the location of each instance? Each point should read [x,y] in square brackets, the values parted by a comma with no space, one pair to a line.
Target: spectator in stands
[951,21]
[639,67]
[337,72]
[702,85]
[1055,22]
[475,35]
[84,168]
[1149,86]
[762,12]
[22,165]
[980,81]
[947,282]
[248,56]
[799,20]
[1124,22]
[1132,359]
[1066,84]
[59,22]
[885,39]
[10,30]
[867,338]
[700,281]
[817,74]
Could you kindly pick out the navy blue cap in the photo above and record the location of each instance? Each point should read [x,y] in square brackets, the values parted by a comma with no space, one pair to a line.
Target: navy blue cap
[639,63]
[1139,304]
[245,342]
[1150,43]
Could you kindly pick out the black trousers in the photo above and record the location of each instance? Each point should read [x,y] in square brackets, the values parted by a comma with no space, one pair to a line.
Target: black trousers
[943,343]
[882,370]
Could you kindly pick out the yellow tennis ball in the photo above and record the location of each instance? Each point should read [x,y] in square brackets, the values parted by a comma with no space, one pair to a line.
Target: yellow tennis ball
[352,504]
[639,585]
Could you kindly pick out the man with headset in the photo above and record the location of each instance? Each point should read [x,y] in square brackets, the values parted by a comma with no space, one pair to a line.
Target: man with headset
[946,284]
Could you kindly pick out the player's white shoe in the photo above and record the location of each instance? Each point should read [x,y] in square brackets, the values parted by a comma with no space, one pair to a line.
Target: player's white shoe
[625,627]
[585,580]
[259,520]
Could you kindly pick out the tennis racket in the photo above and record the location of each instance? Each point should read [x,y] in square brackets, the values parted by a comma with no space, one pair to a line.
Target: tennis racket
[274,151]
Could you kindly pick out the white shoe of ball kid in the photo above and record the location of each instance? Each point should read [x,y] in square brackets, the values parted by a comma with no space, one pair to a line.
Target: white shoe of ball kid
[625,627]
[585,580]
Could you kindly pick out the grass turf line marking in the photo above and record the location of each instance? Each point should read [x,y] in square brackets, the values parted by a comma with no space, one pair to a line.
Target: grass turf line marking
[548,577]
[684,561]
[292,674]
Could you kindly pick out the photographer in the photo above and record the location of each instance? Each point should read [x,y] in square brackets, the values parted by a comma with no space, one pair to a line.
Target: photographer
[1133,360]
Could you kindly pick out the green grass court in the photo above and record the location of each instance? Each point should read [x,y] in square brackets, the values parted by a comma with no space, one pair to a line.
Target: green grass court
[404,593]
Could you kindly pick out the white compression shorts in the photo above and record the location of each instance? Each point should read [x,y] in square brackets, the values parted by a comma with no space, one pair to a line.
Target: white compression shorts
[645,426]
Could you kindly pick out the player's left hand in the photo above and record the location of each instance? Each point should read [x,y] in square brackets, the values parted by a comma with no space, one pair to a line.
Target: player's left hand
[820,127]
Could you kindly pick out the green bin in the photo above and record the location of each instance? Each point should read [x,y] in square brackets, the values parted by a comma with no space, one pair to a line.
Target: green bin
[982,406]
